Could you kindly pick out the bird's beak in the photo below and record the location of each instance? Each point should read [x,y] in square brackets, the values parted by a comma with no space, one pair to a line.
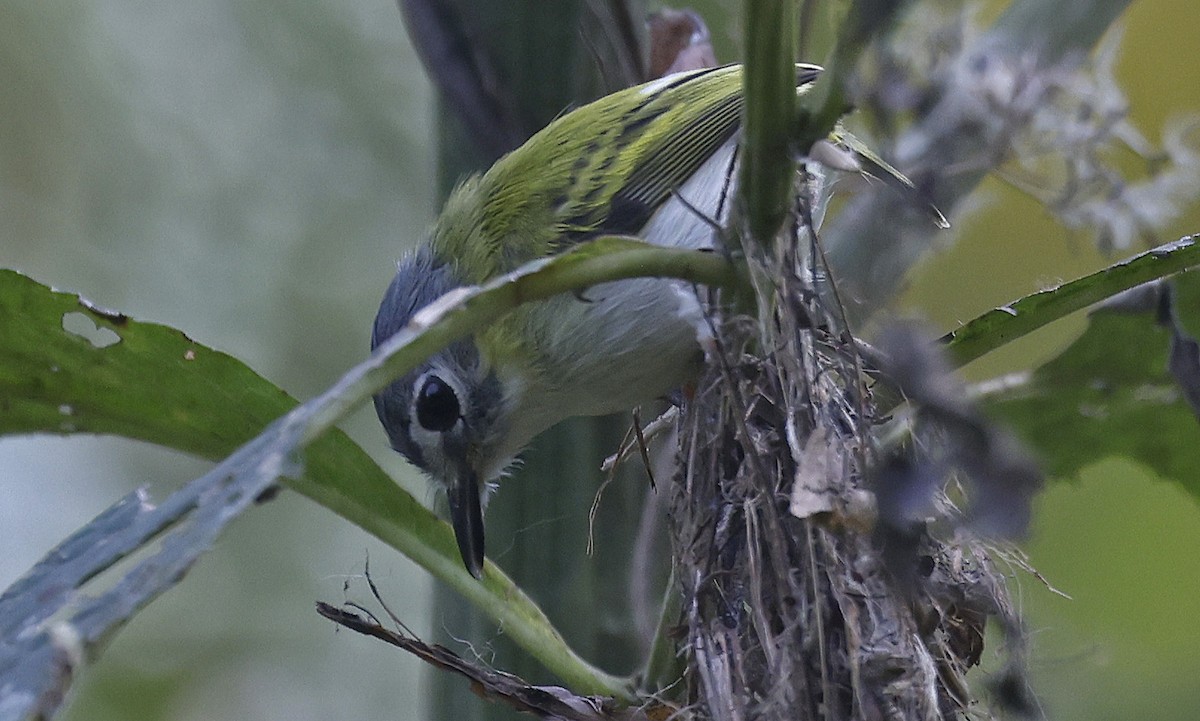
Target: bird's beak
[466,515]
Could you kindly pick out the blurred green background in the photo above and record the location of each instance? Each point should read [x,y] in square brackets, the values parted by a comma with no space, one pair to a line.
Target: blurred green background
[249,171]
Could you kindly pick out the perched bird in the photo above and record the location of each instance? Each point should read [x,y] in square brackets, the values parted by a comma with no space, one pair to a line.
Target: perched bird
[657,161]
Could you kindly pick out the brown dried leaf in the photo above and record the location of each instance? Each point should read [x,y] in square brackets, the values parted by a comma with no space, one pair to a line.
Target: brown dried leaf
[679,41]
[813,492]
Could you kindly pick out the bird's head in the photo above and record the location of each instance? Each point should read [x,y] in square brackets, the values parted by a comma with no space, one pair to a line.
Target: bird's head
[448,416]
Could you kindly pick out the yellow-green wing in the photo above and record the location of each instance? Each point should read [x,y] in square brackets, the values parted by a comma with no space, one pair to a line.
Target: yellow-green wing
[601,169]
[604,168]
[671,127]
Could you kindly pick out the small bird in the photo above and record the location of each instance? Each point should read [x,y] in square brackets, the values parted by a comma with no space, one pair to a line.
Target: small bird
[657,161]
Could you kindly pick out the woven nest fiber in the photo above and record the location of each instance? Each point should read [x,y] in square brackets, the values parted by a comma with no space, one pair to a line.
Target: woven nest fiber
[809,593]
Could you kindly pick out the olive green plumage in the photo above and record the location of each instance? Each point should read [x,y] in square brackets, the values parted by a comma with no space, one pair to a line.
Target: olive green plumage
[656,161]
[601,169]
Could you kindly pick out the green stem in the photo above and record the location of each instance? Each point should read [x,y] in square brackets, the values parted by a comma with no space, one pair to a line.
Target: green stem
[664,667]
[820,109]
[1001,326]
[599,261]
[466,311]
[769,80]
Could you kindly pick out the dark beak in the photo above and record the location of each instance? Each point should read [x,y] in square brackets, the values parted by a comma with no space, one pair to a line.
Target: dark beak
[466,516]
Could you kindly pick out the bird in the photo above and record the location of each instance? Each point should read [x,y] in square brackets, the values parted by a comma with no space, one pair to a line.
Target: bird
[657,161]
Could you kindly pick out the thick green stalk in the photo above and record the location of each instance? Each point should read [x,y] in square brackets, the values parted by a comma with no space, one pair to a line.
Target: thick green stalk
[770,86]
[537,522]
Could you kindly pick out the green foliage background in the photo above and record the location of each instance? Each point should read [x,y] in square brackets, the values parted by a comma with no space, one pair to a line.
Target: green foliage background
[249,171]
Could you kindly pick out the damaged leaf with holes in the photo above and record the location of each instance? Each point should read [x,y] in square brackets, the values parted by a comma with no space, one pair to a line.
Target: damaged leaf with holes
[158,385]
[69,364]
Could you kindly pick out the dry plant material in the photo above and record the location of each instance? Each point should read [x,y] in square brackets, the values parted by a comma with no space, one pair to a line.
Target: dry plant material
[549,702]
[796,602]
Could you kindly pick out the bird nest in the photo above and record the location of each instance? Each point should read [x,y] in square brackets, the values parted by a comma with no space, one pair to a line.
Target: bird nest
[807,594]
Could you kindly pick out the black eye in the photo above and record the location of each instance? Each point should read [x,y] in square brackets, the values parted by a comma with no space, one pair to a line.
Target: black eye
[437,406]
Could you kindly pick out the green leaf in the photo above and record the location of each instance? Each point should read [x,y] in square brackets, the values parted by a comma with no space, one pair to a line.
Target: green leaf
[67,366]
[1110,393]
[153,383]
[1004,325]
